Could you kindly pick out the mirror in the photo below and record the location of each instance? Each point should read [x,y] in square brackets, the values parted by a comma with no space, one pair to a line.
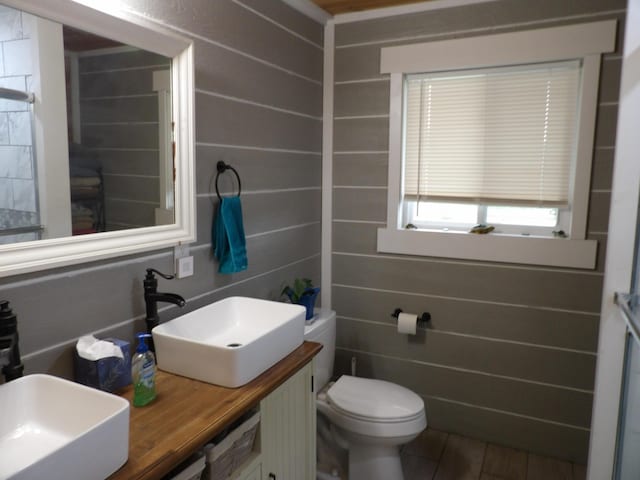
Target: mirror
[96,134]
[116,167]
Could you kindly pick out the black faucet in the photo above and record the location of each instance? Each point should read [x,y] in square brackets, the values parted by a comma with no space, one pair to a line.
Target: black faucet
[10,363]
[152,297]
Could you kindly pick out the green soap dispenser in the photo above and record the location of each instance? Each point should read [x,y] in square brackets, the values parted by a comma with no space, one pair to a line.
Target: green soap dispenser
[143,373]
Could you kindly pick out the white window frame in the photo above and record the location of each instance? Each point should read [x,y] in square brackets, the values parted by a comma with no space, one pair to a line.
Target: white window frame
[585,42]
[409,216]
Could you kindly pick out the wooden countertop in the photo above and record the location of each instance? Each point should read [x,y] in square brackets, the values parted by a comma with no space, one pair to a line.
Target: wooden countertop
[188,413]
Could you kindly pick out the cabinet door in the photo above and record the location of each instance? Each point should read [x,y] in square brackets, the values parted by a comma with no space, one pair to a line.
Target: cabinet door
[288,429]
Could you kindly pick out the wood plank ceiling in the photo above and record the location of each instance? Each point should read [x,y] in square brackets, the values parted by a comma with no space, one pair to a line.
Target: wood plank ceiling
[345,6]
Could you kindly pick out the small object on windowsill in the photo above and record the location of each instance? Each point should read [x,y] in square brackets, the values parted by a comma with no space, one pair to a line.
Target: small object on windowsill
[559,234]
[482,229]
[410,226]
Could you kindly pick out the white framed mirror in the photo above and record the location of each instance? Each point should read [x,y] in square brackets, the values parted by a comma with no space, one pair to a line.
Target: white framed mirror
[72,161]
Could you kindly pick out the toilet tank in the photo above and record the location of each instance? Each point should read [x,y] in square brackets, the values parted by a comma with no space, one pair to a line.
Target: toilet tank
[323,330]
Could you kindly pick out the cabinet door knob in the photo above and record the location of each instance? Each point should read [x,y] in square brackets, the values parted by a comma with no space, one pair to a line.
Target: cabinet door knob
[272,476]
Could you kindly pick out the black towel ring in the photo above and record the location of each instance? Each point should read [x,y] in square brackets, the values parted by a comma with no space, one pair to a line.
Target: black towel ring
[222,167]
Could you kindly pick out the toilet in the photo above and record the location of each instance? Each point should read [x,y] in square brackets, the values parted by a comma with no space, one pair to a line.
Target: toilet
[370,418]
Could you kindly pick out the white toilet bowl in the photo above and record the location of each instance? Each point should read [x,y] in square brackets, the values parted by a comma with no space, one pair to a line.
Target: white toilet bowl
[370,418]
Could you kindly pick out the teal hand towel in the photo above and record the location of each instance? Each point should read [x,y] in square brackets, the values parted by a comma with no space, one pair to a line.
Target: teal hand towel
[229,244]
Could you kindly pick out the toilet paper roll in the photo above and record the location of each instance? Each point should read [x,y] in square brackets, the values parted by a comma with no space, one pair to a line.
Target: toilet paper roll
[407,323]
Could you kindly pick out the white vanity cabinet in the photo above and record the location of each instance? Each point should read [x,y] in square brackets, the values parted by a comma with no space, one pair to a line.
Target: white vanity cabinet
[288,430]
[285,448]
[285,443]
[190,413]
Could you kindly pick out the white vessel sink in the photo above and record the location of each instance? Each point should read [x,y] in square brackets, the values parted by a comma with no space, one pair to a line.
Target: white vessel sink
[57,429]
[230,342]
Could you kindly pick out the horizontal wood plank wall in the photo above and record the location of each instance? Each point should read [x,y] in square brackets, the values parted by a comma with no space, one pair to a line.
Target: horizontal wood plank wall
[119,130]
[509,355]
[258,107]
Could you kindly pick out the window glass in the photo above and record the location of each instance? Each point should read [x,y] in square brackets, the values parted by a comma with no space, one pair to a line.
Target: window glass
[506,219]
[539,217]
[445,214]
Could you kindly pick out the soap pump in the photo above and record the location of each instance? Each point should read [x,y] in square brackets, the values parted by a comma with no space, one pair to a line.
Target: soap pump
[143,373]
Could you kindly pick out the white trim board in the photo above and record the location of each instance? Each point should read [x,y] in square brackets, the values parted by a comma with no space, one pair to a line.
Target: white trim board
[529,46]
[555,252]
[327,166]
[49,118]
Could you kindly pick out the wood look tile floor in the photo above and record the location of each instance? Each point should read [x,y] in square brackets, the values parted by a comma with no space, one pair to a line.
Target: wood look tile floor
[436,455]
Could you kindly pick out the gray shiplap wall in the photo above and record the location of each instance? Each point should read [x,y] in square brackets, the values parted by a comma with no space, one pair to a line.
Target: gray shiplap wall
[510,353]
[119,119]
[119,127]
[258,106]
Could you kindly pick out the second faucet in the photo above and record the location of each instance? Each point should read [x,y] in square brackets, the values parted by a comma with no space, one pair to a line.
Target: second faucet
[152,297]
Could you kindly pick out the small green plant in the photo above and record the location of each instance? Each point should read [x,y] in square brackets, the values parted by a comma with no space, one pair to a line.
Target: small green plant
[300,288]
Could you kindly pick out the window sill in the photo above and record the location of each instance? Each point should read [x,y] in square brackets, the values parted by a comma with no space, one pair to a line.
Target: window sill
[557,252]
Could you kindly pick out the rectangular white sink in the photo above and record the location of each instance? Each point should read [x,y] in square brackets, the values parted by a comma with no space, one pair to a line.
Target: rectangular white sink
[230,342]
[56,429]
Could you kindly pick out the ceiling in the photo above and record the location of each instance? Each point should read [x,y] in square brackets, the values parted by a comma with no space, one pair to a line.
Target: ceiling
[345,6]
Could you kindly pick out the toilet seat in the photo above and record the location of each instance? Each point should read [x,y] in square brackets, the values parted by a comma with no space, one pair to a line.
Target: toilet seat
[352,403]
[360,398]
[365,418]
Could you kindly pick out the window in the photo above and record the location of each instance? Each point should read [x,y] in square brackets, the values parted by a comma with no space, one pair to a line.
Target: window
[540,221]
[495,129]
[499,142]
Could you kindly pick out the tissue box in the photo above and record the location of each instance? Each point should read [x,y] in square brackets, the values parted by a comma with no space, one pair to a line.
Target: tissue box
[108,374]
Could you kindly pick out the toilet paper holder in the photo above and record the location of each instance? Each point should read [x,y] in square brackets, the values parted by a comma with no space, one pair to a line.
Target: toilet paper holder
[422,319]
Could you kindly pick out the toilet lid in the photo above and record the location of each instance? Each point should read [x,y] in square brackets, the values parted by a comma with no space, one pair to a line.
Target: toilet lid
[365,397]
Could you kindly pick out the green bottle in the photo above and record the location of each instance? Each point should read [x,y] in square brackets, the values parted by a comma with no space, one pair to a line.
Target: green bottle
[143,373]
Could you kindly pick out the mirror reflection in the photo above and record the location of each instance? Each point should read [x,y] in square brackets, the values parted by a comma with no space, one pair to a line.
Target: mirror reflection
[85,132]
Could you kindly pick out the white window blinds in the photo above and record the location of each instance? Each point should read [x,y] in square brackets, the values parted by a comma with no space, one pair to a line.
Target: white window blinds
[496,136]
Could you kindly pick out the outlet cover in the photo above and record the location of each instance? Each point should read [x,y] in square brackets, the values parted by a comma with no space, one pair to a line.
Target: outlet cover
[184,267]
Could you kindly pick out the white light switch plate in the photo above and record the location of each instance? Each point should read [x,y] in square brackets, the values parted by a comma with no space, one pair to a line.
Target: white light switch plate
[184,267]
